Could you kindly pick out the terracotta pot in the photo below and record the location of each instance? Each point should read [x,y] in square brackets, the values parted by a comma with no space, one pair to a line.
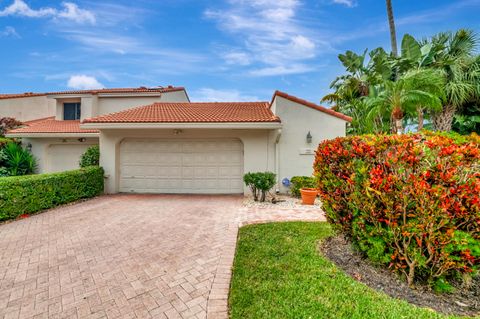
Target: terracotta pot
[308,195]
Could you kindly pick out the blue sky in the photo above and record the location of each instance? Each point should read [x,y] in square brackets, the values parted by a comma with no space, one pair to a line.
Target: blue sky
[219,50]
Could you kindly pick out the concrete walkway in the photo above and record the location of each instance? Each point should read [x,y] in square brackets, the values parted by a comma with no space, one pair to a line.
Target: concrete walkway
[127,256]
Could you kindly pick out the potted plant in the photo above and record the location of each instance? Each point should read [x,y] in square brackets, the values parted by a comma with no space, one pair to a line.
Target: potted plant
[308,195]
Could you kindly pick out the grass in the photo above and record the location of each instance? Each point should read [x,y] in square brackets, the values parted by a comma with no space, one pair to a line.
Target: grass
[278,273]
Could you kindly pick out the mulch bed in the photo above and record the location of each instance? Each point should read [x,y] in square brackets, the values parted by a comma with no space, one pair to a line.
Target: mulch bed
[464,301]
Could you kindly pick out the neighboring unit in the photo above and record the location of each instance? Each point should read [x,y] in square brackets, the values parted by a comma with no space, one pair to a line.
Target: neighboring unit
[157,141]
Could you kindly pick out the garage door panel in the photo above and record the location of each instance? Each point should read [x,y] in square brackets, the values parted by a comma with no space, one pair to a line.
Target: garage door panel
[181,166]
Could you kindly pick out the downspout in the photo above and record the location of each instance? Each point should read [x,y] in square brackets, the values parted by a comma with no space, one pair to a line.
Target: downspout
[277,161]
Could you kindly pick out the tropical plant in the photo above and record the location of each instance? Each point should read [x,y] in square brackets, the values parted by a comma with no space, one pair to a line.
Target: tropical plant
[451,55]
[467,120]
[16,160]
[403,97]
[462,73]
[91,157]
[409,202]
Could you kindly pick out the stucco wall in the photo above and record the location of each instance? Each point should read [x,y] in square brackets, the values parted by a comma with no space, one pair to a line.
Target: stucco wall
[115,104]
[297,121]
[258,148]
[41,149]
[27,108]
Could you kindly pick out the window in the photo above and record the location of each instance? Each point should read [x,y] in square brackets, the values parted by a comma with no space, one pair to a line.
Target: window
[71,111]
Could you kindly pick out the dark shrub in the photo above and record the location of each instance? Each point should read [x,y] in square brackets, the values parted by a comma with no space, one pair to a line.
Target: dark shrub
[91,157]
[260,184]
[407,201]
[299,182]
[29,194]
[16,161]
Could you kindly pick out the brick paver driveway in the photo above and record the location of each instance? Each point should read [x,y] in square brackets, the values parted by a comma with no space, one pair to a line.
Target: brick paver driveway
[125,256]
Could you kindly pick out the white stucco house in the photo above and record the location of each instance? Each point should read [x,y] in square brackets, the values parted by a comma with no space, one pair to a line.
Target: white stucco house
[155,140]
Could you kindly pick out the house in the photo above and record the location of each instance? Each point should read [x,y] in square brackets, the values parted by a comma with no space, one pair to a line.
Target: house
[157,141]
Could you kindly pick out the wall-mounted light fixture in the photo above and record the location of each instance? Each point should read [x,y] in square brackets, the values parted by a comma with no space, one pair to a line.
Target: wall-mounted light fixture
[309,137]
[29,147]
[82,139]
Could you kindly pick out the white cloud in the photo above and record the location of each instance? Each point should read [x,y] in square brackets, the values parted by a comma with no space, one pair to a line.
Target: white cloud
[348,3]
[237,58]
[20,8]
[9,31]
[84,82]
[282,70]
[270,32]
[73,12]
[212,95]
[70,11]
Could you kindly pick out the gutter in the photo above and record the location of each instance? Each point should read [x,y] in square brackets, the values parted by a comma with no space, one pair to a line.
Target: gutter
[46,135]
[175,125]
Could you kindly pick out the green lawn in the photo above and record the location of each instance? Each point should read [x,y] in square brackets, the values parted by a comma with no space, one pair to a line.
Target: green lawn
[278,273]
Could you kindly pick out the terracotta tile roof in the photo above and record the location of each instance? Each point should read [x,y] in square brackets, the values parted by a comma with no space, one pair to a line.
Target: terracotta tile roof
[141,89]
[113,90]
[50,125]
[311,105]
[220,112]
[19,95]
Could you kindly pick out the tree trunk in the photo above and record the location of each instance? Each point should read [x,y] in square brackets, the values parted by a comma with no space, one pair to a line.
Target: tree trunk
[391,22]
[420,119]
[399,126]
[442,121]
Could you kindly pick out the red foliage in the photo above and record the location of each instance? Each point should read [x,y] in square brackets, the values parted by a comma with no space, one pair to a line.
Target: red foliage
[409,201]
[8,123]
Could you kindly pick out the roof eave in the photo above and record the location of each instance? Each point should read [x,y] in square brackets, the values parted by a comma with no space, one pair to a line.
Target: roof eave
[52,134]
[183,125]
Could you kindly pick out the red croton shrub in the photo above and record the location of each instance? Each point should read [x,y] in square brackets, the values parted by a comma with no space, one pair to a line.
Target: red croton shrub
[411,202]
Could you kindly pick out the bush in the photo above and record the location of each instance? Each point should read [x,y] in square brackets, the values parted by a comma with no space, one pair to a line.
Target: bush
[299,182]
[91,157]
[260,183]
[29,194]
[16,161]
[407,201]
[8,123]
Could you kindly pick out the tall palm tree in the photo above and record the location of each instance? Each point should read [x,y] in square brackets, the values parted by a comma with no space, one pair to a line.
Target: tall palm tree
[391,23]
[402,98]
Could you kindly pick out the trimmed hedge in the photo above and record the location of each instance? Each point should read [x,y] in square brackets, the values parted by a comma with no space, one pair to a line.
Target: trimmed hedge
[299,182]
[409,202]
[32,193]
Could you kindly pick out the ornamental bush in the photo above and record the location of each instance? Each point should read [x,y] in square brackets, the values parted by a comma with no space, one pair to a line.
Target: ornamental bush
[260,184]
[91,157]
[32,193]
[16,160]
[411,202]
[299,182]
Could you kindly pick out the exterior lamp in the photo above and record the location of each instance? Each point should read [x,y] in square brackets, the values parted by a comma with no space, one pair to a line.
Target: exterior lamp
[309,137]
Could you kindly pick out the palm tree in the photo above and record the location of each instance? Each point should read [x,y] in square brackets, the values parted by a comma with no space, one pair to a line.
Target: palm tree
[402,98]
[456,58]
[391,23]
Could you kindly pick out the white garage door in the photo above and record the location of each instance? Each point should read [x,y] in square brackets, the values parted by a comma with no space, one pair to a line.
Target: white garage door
[181,166]
[64,157]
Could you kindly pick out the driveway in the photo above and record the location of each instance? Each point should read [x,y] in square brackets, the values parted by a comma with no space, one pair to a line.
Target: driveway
[126,256]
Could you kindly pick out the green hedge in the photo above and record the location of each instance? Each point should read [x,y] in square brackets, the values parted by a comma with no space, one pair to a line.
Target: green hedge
[33,193]
[299,182]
